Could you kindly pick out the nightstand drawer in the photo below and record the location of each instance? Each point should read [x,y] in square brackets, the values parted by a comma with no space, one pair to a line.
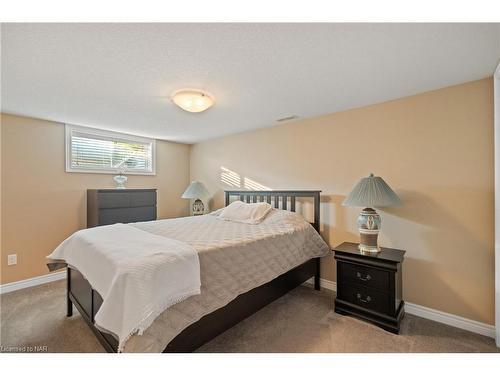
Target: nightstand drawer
[368,298]
[363,275]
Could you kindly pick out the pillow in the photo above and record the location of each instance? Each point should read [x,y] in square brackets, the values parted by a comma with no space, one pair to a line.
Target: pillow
[250,213]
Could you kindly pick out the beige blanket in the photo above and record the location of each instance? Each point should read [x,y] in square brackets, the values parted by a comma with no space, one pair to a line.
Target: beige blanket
[234,258]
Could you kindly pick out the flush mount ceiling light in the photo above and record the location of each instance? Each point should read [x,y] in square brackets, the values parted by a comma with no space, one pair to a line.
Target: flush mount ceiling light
[193,100]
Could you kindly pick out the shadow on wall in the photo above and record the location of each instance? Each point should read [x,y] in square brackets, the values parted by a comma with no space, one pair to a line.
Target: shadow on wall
[433,233]
[426,210]
[437,286]
[340,227]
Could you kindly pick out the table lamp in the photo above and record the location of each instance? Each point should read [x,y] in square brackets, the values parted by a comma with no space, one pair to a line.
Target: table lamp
[197,191]
[370,192]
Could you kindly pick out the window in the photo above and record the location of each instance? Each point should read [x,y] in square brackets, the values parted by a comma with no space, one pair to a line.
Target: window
[98,151]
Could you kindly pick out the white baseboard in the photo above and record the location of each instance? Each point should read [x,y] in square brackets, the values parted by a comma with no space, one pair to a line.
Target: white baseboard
[431,314]
[39,280]
[410,308]
[450,319]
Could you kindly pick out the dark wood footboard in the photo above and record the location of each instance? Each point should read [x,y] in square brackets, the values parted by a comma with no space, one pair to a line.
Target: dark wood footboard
[88,301]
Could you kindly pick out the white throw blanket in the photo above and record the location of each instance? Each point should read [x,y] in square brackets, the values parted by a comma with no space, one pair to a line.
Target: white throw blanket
[138,274]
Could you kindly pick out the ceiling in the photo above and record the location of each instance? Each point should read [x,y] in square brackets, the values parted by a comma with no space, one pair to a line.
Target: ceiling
[120,76]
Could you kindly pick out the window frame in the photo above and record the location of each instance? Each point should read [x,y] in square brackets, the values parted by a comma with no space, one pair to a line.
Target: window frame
[69,129]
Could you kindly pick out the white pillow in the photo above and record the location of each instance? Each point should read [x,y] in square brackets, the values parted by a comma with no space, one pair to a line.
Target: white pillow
[250,213]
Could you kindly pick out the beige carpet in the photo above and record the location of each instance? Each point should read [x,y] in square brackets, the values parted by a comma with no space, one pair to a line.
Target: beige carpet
[301,321]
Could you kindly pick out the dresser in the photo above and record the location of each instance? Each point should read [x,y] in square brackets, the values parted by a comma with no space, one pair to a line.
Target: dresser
[110,206]
[369,285]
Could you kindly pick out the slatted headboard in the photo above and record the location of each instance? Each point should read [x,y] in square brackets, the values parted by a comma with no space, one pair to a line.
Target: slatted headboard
[276,197]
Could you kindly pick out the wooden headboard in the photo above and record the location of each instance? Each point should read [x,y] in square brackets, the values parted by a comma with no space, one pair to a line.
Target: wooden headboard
[275,197]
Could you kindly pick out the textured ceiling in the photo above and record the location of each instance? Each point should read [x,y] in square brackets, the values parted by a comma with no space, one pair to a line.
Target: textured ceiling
[120,76]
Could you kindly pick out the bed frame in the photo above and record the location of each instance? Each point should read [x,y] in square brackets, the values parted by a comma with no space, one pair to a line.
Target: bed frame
[88,300]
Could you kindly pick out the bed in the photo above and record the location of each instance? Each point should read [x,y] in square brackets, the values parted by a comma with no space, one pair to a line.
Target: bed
[241,271]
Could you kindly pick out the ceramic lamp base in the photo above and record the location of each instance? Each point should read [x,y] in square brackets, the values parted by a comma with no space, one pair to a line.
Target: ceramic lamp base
[198,207]
[369,224]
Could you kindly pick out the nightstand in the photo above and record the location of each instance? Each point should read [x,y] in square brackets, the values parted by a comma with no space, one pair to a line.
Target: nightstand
[369,286]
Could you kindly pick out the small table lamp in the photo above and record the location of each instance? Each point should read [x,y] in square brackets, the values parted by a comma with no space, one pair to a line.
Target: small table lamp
[197,191]
[370,192]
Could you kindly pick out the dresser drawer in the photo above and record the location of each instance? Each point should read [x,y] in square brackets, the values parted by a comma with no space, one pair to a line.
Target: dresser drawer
[363,275]
[109,216]
[368,298]
[113,200]
[142,199]
[127,199]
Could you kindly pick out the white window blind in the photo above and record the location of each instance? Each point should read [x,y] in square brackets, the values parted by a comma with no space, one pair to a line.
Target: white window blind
[91,150]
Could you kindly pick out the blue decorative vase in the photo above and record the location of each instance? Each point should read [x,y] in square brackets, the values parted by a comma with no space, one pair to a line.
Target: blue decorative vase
[369,224]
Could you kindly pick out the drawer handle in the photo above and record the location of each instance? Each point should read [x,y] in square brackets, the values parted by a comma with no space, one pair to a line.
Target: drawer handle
[367,278]
[367,300]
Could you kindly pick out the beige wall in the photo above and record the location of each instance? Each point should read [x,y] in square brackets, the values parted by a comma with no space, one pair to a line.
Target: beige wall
[435,149]
[42,204]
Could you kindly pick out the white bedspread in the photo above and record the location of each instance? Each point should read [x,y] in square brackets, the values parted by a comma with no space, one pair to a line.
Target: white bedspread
[138,274]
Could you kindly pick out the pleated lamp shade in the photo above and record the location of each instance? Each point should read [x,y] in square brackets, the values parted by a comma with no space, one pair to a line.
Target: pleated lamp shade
[195,190]
[372,191]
